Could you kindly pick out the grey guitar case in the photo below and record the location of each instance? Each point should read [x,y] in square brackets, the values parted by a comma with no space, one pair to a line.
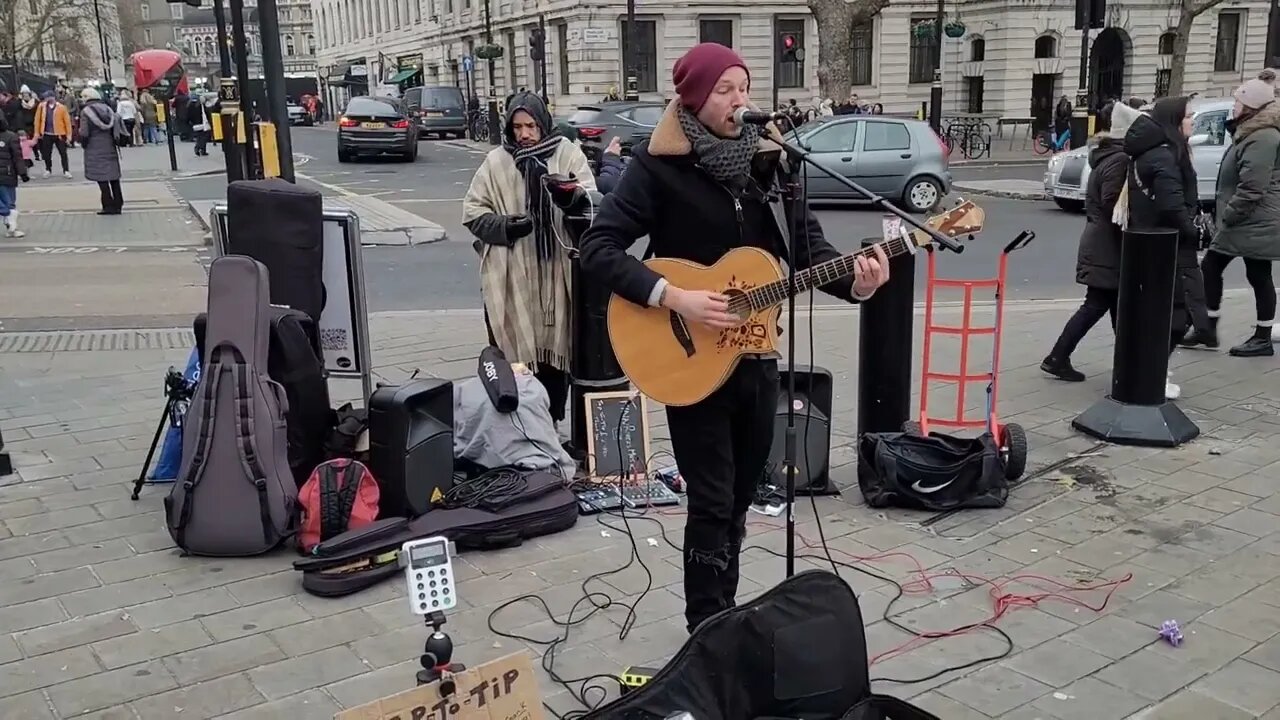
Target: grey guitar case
[235,494]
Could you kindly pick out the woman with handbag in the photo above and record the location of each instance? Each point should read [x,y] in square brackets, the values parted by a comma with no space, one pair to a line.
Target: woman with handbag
[100,130]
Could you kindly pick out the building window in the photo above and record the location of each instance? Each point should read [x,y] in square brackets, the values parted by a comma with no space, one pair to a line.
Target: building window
[716,31]
[177,36]
[978,50]
[1163,78]
[417,10]
[973,94]
[175,11]
[924,50]
[1227,49]
[790,68]
[145,9]
[1165,45]
[562,46]
[146,35]
[1046,47]
[861,47]
[290,49]
[311,44]
[512,72]
[646,54]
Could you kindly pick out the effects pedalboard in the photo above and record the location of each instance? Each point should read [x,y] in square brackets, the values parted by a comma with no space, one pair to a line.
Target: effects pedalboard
[649,493]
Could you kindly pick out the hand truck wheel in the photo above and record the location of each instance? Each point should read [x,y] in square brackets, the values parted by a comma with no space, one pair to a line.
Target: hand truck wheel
[1013,445]
[911,427]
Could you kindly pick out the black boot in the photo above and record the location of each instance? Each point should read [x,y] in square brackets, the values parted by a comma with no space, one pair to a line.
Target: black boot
[1207,337]
[1061,368]
[1259,345]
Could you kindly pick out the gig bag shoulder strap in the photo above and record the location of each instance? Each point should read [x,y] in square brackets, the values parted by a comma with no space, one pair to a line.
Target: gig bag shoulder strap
[338,497]
[245,445]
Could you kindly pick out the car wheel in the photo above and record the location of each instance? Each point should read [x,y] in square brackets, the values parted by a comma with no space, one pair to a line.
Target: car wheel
[344,157]
[1071,206]
[922,194]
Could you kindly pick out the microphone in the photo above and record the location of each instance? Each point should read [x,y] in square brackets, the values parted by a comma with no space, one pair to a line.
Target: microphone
[499,380]
[745,116]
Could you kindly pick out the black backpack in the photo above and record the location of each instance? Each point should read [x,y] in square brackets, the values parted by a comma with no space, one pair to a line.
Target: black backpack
[294,361]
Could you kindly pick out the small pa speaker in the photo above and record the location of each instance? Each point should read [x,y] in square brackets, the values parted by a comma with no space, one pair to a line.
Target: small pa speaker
[411,445]
[813,430]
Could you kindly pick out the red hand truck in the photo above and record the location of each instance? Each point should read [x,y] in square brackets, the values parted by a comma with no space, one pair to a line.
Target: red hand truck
[1011,437]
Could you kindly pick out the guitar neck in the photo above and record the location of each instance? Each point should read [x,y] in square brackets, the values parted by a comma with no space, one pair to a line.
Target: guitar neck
[775,293]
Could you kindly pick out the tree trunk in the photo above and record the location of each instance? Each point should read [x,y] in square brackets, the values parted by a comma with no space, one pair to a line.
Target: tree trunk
[835,20]
[1181,41]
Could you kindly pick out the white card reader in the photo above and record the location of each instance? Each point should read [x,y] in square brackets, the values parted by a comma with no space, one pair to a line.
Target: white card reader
[428,575]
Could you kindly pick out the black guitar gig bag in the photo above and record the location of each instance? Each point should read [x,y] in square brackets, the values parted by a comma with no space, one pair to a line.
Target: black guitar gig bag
[235,494]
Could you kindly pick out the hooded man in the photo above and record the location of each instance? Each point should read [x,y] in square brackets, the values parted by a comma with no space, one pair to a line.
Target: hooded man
[698,188]
[524,268]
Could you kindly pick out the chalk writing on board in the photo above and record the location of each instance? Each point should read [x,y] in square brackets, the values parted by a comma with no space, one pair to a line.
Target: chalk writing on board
[618,434]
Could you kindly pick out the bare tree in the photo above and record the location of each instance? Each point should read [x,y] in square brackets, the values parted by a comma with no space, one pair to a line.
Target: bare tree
[40,31]
[836,20]
[1188,11]
[129,19]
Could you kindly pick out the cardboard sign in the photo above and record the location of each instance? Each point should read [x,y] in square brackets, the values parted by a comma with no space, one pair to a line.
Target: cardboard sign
[504,689]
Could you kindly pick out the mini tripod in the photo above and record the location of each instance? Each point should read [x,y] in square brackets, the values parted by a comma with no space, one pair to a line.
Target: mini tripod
[177,394]
[437,657]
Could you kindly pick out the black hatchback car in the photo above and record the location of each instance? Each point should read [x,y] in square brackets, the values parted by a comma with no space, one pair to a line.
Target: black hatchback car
[372,126]
[629,121]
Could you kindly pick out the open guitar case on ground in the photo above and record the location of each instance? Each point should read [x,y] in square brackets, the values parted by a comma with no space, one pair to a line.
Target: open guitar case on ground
[363,557]
[796,652]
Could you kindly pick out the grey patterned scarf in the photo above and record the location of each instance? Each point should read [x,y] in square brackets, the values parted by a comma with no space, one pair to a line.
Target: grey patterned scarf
[727,159]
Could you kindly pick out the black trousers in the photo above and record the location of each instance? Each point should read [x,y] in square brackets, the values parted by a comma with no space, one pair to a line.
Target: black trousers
[112,198]
[555,380]
[721,446]
[47,143]
[1257,272]
[1193,293]
[1097,302]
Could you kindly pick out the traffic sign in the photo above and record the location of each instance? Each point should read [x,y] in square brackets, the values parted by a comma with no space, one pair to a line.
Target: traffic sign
[468,63]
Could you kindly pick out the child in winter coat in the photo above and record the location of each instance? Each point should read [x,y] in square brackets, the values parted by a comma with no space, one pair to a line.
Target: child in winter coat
[28,148]
[12,169]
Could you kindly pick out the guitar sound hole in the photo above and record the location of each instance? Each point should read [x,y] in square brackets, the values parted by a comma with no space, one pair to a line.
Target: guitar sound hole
[739,306]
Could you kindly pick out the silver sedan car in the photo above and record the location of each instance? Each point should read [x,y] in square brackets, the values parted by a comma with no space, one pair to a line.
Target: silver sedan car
[1067,176]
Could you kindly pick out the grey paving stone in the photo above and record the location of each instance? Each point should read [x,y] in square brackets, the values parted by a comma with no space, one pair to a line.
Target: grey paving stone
[1192,705]
[159,613]
[994,690]
[944,707]
[46,670]
[310,704]
[75,633]
[114,595]
[28,706]
[210,699]
[49,585]
[1057,666]
[110,688]
[214,661]
[1163,605]
[1250,522]
[1112,636]
[1150,674]
[151,644]
[1090,699]
[374,685]
[252,619]
[24,546]
[81,555]
[1245,617]
[306,672]
[1243,685]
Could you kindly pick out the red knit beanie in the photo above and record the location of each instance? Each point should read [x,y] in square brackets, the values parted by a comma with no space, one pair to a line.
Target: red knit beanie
[697,71]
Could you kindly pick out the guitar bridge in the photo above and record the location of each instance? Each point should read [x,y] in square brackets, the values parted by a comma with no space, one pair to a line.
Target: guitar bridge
[681,333]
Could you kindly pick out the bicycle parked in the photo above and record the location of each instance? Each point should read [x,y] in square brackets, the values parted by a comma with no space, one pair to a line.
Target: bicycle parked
[1048,141]
[478,125]
[971,138]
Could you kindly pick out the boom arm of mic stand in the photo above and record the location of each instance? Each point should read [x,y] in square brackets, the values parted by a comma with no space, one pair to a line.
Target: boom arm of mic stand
[800,155]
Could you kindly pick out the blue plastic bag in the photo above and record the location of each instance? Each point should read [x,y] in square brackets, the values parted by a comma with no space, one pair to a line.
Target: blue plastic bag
[166,469]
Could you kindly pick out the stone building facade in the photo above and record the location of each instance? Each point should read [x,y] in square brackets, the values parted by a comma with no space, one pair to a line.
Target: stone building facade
[1014,58]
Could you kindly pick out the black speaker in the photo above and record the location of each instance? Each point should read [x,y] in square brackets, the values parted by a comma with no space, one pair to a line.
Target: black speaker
[813,446]
[411,445]
[281,225]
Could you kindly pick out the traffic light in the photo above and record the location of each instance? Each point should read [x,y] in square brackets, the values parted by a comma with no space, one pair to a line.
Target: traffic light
[537,44]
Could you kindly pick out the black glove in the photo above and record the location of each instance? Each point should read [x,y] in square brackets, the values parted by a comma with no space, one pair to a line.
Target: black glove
[518,226]
[26,178]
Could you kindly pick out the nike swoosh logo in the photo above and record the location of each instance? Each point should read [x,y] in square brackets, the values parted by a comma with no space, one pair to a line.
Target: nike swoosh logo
[927,490]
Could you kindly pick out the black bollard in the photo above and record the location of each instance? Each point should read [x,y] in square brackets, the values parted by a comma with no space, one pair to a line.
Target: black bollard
[1136,412]
[885,349]
[6,463]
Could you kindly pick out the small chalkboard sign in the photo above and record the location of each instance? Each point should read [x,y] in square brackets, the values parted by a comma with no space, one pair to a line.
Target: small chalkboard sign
[617,434]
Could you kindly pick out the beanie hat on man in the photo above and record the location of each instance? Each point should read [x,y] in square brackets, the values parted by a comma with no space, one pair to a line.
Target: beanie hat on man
[696,72]
[1255,94]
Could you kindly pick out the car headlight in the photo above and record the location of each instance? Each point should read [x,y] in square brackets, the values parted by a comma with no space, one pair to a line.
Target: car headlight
[1055,162]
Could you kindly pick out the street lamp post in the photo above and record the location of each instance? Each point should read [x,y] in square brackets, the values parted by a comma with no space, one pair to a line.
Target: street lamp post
[102,44]
[633,82]
[1080,114]
[495,124]
[224,49]
[244,94]
[935,91]
[273,74]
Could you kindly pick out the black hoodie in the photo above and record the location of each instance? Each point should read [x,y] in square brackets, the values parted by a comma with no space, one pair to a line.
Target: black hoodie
[1162,187]
[1098,262]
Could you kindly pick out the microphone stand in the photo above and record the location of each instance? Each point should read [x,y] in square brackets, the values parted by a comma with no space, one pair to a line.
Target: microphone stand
[793,193]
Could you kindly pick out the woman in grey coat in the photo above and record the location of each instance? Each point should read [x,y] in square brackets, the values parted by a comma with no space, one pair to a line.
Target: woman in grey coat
[99,127]
[1248,210]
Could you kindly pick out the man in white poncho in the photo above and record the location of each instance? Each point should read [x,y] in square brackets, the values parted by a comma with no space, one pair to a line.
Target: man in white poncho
[524,260]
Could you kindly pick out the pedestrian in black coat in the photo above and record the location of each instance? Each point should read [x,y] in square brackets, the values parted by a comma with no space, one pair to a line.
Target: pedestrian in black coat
[1162,194]
[1098,260]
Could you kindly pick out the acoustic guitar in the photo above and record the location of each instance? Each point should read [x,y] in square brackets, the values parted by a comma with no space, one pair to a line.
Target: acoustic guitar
[679,363]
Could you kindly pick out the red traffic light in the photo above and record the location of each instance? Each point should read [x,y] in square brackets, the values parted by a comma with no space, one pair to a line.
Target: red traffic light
[789,42]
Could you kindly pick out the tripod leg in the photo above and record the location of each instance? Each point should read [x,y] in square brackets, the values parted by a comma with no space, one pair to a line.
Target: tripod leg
[155,441]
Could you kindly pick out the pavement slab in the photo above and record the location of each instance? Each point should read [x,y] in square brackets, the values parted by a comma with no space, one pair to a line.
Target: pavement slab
[101,617]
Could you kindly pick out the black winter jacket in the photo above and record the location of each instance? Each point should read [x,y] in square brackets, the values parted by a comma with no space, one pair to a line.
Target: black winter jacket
[1098,261]
[12,166]
[1162,194]
[666,195]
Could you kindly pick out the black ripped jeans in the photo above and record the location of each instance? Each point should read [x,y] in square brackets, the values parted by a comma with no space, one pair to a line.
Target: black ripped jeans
[721,446]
